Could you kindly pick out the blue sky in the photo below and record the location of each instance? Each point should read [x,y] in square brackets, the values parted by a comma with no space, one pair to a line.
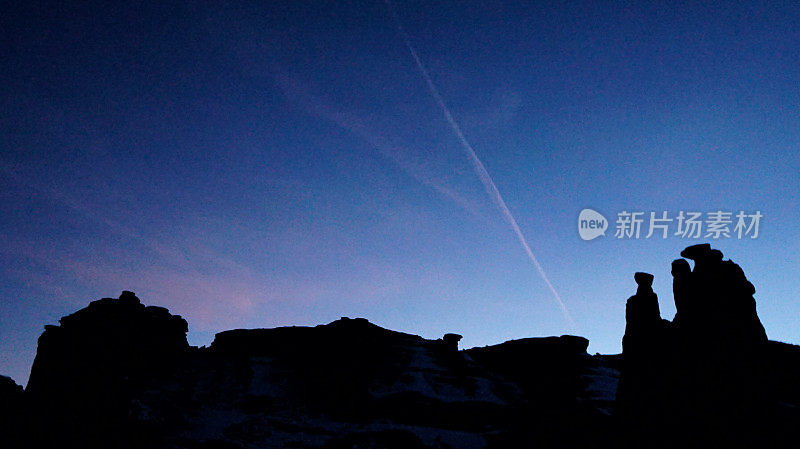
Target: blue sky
[262,164]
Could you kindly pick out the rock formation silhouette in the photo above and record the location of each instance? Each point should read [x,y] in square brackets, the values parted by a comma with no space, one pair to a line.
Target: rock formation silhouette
[11,412]
[698,380]
[118,374]
[89,370]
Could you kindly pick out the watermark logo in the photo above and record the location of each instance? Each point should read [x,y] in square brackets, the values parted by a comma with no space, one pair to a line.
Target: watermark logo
[686,225]
[591,224]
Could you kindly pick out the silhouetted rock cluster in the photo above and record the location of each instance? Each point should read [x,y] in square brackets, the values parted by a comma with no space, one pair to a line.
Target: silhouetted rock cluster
[699,379]
[118,374]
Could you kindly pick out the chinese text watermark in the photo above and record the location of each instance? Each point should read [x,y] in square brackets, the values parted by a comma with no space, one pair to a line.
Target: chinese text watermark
[685,224]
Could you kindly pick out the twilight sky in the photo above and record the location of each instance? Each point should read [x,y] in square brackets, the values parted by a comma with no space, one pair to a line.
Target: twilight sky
[262,164]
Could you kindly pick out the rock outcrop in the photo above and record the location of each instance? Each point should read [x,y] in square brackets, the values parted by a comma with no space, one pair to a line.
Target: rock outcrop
[698,380]
[89,370]
[12,412]
[120,374]
[352,383]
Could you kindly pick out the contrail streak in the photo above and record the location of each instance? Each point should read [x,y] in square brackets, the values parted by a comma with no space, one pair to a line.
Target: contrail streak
[480,169]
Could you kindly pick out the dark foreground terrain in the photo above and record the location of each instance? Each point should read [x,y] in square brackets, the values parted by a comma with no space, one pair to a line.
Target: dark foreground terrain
[118,374]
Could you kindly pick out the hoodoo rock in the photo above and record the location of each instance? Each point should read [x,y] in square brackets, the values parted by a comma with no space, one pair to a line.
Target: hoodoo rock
[700,374]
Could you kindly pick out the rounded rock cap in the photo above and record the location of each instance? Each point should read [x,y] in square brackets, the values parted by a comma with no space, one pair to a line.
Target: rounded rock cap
[643,279]
[695,252]
[680,267]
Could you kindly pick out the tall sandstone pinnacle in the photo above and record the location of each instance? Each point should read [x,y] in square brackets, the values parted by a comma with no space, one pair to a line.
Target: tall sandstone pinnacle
[701,373]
